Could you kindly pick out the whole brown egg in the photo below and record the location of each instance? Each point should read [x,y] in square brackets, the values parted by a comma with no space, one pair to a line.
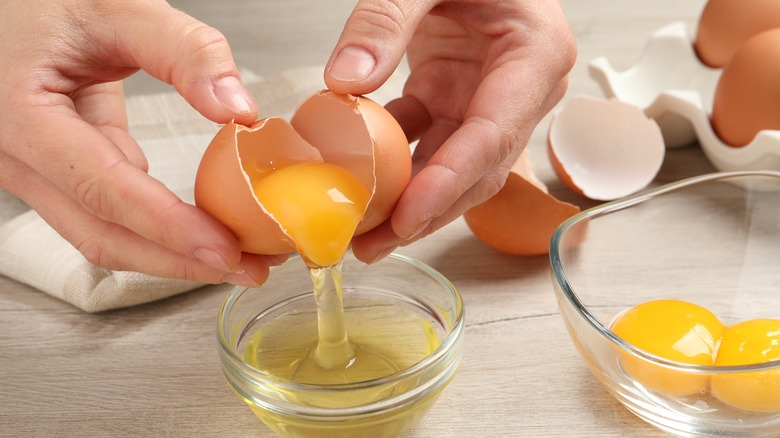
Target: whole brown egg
[725,24]
[747,97]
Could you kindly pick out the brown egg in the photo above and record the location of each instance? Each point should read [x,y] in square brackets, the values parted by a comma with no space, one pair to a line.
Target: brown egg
[725,24]
[747,96]
[521,218]
[353,132]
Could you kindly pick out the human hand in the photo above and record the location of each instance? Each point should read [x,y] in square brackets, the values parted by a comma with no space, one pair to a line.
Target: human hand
[483,74]
[64,145]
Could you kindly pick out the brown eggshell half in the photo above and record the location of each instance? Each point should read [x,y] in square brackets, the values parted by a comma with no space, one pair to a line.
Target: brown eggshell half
[360,135]
[223,189]
[521,218]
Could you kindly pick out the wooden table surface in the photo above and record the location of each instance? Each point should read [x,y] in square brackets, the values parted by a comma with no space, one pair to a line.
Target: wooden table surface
[153,370]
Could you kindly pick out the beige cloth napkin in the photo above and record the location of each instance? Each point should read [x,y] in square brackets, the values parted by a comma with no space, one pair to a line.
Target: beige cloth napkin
[173,136]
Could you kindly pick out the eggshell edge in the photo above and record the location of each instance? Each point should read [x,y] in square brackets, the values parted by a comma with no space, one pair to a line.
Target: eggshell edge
[521,217]
[384,140]
[223,190]
[604,149]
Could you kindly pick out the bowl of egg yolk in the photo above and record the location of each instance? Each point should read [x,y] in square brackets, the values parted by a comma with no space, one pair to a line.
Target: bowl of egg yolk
[349,350]
[672,297]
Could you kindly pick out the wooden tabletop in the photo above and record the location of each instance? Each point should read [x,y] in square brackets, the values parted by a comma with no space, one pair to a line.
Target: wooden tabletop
[153,370]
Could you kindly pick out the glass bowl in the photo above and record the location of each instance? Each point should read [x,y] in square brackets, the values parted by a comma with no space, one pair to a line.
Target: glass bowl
[397,307]
[712,240]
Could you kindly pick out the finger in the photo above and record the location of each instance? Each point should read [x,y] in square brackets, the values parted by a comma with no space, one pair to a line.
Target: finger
[95,172]
[372,44]
[193,57]
[472,152]
[376,244]
[481,179]
[112,246]
[103,106]
[451,179]
[411,116]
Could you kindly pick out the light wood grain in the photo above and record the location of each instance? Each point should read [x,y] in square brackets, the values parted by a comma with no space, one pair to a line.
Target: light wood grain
[153,370]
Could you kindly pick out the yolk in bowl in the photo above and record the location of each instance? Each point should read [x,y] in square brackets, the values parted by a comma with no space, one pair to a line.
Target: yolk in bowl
[750,342]
[674,330]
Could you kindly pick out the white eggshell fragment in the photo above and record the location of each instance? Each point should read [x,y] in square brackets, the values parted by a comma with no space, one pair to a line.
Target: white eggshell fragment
[604,149]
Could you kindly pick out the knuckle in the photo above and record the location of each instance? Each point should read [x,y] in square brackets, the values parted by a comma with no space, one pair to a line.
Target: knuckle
[190,273]
[491,184]
[161,226]
[505,143]
[202,46]
[567,50]
[204,43]
[95,252]
[94,196]
[388,16]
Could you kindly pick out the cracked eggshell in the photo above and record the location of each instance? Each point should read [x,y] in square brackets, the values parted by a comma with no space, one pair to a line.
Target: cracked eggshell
[521,218]
[604,149]
[353,132]
[341,126]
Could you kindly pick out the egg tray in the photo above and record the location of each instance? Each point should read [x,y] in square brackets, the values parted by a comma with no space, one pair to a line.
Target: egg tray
[671,85]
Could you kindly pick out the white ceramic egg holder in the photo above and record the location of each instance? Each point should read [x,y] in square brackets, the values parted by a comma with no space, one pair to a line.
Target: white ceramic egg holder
[674,88]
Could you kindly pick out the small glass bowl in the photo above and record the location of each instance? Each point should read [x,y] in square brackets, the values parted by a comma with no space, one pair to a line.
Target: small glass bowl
[712,240]
[383,407]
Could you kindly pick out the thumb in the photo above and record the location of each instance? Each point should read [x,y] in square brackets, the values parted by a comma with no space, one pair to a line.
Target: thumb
[193,57]
[372,44]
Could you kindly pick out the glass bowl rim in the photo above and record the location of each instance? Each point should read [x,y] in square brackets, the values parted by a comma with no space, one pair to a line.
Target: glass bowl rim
[567,290]
[444,349]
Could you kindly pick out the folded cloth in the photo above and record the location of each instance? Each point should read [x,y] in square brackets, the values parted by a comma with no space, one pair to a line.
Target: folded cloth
[173,137]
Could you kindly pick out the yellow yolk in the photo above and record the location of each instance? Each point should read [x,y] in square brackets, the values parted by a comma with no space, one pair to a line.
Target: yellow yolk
[750,342]
[673,330]
[319,205]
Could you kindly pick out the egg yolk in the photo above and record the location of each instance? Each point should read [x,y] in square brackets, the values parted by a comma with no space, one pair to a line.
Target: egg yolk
[673,330]
[750,342]
[319,205]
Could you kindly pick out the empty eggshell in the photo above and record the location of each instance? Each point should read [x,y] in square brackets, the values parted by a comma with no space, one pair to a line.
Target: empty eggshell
[604,149]
[353,132]
[521,218]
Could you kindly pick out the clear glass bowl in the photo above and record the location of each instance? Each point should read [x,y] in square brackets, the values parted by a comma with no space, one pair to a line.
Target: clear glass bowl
[379,407]
[712,240]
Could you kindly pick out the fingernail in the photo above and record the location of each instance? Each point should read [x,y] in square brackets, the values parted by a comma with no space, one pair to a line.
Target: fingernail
[382,254]
[211,258]
[352,64]
[232,93]
[240,278]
